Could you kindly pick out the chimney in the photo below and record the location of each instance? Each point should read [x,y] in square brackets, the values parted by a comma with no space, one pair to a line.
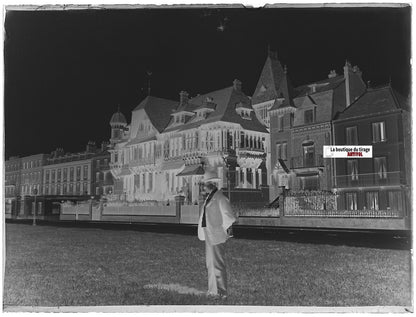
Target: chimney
[347,69]
[183,97]
[91,147]
[357,70]
[237,85]
[332,74]
[104,146]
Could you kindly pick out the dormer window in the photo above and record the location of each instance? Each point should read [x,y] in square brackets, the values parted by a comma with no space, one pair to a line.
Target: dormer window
[243,110]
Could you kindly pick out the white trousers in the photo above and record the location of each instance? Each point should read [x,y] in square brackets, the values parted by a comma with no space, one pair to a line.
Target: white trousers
[217,274]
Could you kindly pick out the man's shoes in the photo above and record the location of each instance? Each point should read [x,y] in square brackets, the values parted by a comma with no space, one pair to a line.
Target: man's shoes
[217,296]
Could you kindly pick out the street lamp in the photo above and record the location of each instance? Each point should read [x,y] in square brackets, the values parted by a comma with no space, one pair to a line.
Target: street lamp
[227,165]
[35,192]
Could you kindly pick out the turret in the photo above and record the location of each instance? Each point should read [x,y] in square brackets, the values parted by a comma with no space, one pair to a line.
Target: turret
[118,124]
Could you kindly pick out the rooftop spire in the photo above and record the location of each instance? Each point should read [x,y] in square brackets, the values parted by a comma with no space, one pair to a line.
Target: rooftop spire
[270,53]
[149,77]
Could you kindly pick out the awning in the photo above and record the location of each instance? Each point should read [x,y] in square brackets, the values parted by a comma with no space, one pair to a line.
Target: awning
[306,174]
[174,165]
[192,170]
[283,165]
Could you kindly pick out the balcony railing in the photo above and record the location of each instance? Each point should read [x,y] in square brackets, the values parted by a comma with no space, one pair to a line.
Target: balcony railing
[116,165]
[301,162]
[369,213]
[142,161]
[369,179]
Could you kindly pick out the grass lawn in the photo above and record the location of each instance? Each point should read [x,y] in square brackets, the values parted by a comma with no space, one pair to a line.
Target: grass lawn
[59,266]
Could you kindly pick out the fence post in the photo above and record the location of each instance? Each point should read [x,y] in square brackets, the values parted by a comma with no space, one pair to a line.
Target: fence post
[282,203]
[179,200]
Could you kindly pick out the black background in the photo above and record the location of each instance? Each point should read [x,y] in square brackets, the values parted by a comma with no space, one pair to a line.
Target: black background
[66,71]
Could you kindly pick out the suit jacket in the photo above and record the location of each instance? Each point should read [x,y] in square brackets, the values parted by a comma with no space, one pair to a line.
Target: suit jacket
[219,217]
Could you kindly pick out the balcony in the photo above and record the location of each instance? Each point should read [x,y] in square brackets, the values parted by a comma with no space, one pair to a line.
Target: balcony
[116,165]
[142,161]
[369,180]
[299,162]
[250,152]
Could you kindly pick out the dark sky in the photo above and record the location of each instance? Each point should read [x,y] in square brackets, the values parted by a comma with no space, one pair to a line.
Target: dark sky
[66,71]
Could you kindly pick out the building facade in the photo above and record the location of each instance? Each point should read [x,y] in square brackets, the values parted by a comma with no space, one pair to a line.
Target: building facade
[78,174]
[168,146]
[300,123]
[12,168]
[31,183]
[380,118]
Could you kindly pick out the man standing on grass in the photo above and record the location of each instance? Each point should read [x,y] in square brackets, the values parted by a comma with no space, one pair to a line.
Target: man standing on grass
[214,227]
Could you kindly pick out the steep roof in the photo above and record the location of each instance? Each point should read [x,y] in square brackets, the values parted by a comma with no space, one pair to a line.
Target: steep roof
[269,82]
[118,118]
[158,110]
[226,100]
[376,100]
[274,83]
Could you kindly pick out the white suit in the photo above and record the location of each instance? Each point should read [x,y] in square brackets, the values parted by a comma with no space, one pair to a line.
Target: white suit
[219,217]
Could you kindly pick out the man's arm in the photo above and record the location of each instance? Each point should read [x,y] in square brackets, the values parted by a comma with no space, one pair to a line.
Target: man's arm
[228,217]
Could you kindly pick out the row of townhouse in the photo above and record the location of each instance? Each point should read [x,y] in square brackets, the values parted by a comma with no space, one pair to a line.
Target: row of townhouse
[339,110]
[269,142]
[55,177]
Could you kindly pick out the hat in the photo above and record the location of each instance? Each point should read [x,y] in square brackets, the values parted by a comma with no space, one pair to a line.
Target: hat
[210,176]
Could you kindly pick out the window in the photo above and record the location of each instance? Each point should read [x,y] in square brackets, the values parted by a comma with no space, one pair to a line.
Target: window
[71,174]
[64,189]
[59,175]
[308,116]
[242,139]
[278,146]
[352,137]
[351,201]
[85,176]
[309,154]
[150,182]
[372,200]
[47,177]
[284,151]
[380,167]
[379,132]
[394,200]
[281,151]
[280,123]
[53,176]
[78,173]
[292,119]
[352,170]
[65,173]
